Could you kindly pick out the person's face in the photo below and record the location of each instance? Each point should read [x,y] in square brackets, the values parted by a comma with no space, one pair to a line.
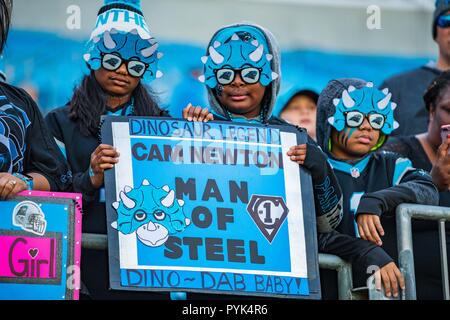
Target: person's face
[118,82]
[301,111]
[439,116]
[242,98]
[354,143]
[443,40]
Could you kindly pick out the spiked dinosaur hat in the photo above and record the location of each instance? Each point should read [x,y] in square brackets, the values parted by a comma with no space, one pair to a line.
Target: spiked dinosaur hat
[346,102]
[121,31]
[248,49]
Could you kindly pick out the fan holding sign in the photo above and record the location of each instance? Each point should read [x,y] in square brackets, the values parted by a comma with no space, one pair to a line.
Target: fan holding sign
[240,90]
[122,57]
[243,208]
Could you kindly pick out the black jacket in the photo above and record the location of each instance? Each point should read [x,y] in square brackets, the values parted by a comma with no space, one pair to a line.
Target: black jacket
[27,145]
[375,184]
[427,259]
[78,149]
[407,91]
[94,263]
[329,214]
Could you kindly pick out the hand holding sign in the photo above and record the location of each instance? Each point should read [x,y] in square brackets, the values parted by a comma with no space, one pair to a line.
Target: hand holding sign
[298,154]
[209,207]
[197,114]
[10,186]
[103,158]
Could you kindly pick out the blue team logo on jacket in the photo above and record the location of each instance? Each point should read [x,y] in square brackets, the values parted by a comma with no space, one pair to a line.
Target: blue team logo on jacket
[367,100]
[152,213]
[13,127]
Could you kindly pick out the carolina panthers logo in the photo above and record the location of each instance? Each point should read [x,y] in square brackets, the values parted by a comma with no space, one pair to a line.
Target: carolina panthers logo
[152,213]
[13,126]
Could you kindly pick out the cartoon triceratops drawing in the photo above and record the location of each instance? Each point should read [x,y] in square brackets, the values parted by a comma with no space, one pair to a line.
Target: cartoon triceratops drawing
[152,213]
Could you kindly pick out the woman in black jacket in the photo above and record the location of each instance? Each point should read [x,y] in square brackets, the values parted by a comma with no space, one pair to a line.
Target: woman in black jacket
[119,61]
[430,152]
[29,157]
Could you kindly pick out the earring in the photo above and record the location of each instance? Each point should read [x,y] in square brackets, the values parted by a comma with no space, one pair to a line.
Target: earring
[219,90]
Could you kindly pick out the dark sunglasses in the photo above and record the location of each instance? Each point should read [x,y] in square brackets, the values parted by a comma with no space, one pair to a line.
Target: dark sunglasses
[249,75]
[113,62]
[354,119]
[443,21]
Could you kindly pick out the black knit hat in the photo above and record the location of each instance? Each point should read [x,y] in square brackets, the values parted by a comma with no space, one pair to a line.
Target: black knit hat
[442,6]
[314,96]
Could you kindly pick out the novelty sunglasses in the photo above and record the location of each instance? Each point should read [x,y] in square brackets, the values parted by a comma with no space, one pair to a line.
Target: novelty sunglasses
[249,75]
[354,119]
[112,62]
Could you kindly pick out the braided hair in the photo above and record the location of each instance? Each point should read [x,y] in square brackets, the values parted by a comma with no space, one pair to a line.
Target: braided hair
[436,90]
[88,104]
[5,21]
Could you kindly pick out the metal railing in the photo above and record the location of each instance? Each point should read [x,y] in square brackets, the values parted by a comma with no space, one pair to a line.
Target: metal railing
[405,213]
[326,261]
[100,242]
[344,274]
[94,241]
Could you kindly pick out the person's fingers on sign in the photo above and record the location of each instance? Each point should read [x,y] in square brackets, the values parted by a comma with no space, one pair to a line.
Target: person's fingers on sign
[103,158]
[298,153]
[10,186]
[197,114]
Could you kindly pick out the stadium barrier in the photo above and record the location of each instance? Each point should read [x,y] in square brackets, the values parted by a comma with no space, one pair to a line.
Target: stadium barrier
[94,241]
[326,261]
[344,274]
[406,212]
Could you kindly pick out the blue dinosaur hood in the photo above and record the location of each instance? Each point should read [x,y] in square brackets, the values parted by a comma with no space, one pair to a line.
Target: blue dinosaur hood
[348,95]
[273,86]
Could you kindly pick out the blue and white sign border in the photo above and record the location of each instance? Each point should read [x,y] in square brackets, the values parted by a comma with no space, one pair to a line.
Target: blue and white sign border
[299,199]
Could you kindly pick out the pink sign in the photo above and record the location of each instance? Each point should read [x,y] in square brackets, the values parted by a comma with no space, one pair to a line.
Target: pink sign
[29,257]
[77,229]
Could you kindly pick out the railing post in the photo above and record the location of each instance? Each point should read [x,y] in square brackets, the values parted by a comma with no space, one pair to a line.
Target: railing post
[405,251]
[345,282]
[94,241]
[444,262]
[344,274]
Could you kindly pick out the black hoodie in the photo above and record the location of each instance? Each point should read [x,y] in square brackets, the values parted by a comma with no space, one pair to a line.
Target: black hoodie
[384,179]
[327,194]
[326,187]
